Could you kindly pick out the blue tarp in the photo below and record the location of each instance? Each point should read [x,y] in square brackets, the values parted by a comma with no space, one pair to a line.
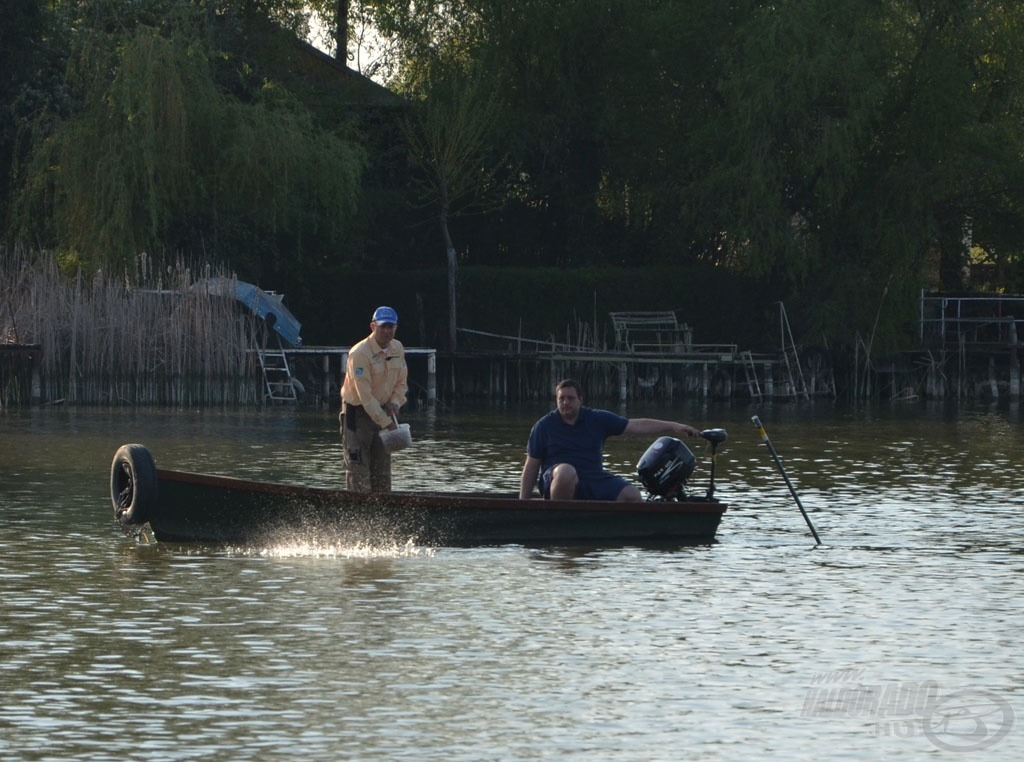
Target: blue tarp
[266,306]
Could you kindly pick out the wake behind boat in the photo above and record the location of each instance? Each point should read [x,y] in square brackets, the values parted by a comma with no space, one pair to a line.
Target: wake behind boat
[180,506]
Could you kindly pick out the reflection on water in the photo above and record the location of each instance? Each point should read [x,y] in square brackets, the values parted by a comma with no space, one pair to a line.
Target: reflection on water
[115,649]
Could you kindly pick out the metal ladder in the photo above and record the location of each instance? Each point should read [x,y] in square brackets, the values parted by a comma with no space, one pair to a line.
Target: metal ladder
[750,369]
[792,357]
[277,375]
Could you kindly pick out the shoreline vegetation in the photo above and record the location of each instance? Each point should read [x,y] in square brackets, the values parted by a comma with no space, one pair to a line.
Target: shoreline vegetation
[154,335]
[173,334]
[490,182]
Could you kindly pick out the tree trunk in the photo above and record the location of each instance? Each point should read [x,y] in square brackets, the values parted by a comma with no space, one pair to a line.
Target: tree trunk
[955,255]
[452,268]
[341,31]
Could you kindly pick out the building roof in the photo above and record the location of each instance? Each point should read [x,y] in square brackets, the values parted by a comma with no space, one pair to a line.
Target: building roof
[278,54]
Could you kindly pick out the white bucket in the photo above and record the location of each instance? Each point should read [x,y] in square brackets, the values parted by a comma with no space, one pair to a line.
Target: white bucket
[396,439]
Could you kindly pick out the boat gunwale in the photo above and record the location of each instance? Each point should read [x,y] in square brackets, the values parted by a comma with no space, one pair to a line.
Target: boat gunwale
[448,500]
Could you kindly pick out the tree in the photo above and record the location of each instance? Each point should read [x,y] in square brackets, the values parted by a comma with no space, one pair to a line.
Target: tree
[31,88]
[449,141]
[159,156]
[855,140]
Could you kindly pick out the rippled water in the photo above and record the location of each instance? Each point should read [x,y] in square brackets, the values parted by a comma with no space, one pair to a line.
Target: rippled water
[897,638]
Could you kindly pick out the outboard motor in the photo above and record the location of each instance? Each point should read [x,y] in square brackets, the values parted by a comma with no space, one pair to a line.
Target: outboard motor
[665,467]
[668,463]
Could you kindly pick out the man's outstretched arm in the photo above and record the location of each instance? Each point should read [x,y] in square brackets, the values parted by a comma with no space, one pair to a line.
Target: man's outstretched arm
[649,426]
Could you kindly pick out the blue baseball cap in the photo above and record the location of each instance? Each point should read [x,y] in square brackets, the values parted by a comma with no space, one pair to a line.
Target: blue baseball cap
[385,315]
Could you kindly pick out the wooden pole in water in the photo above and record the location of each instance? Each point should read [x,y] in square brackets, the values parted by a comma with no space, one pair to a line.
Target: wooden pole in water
[326,391]
[36,393]
[432,377]
[1014,360]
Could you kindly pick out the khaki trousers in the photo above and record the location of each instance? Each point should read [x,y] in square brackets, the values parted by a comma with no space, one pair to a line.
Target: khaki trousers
[367,463]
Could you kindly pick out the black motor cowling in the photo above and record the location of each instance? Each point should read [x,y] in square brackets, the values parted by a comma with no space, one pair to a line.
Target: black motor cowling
[665,467]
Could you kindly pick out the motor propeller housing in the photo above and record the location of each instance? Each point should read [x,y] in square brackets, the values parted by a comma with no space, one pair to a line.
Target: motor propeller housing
[666,465]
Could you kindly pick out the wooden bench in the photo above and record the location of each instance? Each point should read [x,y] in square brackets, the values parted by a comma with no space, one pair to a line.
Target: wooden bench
[657,332]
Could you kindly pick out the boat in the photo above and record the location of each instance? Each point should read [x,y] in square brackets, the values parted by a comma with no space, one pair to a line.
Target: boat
[187,507]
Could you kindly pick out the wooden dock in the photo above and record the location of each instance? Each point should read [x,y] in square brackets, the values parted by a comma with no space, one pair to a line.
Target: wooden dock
[611,375]
[329,363]
[654,356]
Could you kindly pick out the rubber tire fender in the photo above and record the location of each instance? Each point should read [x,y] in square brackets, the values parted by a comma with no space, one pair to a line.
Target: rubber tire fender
[133,484]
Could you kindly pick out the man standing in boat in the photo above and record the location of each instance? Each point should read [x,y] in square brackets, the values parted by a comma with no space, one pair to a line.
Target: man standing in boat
[565,452]
[376,382]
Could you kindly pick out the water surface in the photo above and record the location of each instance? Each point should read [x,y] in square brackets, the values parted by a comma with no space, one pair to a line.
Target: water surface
[897,638]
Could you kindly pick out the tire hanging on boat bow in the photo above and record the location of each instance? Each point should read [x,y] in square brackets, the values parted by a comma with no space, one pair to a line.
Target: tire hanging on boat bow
[133,484]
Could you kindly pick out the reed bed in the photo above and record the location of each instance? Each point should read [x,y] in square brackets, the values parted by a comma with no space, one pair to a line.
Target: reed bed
[158,335]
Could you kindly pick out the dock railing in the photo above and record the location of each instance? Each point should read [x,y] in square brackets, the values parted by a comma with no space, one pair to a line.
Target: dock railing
[643,350]
[972,320]
[520,344]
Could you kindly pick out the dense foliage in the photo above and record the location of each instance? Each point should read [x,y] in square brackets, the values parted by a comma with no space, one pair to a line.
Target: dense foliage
[168,142]
[843,153]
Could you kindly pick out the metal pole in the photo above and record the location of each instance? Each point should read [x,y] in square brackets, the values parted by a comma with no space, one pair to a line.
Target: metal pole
[775,456]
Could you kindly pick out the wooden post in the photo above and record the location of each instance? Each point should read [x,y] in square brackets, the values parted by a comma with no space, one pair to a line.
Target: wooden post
[961,374]
[432,377]
[933,388]
[37,365]
[327,378]
[1014,360]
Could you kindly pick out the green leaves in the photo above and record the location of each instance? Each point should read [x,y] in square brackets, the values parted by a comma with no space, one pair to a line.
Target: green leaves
[158,149]
[831,148]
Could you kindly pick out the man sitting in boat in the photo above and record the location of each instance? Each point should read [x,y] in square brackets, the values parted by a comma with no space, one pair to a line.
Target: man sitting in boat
[564,455]
[375,387]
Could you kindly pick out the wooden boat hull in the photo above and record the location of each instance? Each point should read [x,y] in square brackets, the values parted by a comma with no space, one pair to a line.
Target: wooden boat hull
[187,507]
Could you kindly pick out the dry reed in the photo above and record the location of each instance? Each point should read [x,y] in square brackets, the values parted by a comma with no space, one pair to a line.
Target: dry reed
[155,336]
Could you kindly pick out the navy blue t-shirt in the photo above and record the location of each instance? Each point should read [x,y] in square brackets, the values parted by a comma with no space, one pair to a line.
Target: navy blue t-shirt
[581,445]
